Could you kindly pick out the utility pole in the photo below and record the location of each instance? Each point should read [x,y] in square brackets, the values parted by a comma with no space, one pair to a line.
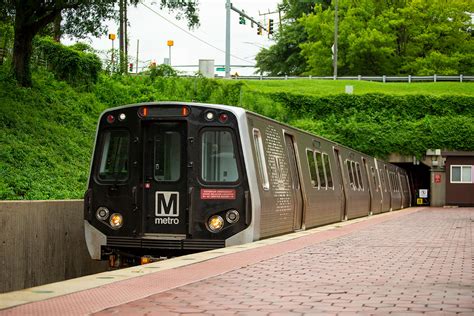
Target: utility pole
[123,40]
[227,38]
[125,33]
[228,6]
[336,27]
[121,37]
[138,45]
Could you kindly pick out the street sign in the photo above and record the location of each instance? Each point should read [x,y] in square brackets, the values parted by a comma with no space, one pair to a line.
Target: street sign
[423,193]
[220,69]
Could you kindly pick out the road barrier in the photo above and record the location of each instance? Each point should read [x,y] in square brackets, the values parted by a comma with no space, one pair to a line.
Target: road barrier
[409,79]
[42,242]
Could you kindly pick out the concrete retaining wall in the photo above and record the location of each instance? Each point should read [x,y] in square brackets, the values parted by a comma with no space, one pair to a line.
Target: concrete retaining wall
[42,242]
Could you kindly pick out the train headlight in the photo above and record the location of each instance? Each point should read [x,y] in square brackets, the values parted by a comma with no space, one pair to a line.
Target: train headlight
[232,216]
[116,221]
[209,115]
[102,213]
[215,223]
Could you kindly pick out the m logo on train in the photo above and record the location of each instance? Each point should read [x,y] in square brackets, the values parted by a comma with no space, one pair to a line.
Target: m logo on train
[167,207]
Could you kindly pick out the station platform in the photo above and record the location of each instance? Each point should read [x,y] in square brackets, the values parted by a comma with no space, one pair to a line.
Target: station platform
[413,261]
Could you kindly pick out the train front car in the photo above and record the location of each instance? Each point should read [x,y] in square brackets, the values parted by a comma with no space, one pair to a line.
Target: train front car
[166,178]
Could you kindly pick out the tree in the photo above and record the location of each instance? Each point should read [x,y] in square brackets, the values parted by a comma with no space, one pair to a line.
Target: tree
[284,57]
[80,17]
[391,37]
[375,37]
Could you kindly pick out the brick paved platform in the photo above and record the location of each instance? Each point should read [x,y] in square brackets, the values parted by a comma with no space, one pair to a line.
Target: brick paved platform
[407,262]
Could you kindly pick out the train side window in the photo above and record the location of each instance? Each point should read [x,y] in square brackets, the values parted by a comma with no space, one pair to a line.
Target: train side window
[356,177]
[319,163]
[351,175]
[261,161]
[327,167]
[312,168]
[395,186]
[114,158]
[374,179]
[218,157]
[390,184]
[359,176]
[382,179]
[167,156]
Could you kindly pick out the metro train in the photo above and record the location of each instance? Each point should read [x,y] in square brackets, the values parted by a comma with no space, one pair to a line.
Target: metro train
[178,176]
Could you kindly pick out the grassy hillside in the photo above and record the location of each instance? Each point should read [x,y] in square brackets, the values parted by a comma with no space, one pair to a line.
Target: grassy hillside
[331,87]
[47,132]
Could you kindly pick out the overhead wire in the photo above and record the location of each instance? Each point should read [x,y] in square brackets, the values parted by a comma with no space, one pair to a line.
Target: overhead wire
[191,34]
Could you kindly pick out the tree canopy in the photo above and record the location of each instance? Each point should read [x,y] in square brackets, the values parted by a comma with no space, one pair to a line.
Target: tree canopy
[375,37]
[79,18]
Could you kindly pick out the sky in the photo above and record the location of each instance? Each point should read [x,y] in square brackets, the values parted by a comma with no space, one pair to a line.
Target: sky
[153,32]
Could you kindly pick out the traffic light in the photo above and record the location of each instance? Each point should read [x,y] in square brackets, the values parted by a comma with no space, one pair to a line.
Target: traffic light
[130,67]
[259,30]
[270,26]
[242,20]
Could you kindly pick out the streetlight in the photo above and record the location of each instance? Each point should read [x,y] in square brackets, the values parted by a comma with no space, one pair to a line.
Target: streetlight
[112,38]
[170,43]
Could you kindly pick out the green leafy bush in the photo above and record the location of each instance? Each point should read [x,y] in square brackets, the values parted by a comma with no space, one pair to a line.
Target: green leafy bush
[162,71]
[74,64]
[379,124]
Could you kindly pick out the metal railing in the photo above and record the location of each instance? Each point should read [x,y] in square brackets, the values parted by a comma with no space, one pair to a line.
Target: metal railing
[409,79]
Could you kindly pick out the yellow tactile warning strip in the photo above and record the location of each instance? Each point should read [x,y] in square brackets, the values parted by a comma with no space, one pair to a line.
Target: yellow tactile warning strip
[54,290]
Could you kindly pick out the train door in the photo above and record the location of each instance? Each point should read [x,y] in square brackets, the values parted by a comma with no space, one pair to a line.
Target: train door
[340,168]
[165,178]
[295,182]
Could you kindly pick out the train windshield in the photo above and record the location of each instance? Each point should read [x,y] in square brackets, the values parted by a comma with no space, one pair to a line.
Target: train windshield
[218,157]
[167,156]
[114,158]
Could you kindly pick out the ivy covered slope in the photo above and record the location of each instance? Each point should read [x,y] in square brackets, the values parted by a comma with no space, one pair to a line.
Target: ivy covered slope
[379,124]
[46,134]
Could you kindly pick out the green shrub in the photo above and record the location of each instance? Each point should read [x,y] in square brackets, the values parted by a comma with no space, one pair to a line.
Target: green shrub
[162,71]
[379,124]
[72,64]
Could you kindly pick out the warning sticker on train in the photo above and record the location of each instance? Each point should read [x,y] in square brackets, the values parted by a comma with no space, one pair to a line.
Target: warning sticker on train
[216,194]
[167,207]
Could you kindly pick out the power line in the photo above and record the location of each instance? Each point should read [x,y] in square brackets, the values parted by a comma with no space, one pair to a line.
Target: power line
[189,33]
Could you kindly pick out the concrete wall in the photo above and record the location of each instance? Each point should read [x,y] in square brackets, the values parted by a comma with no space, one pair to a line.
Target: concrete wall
[42,242]
[438,187]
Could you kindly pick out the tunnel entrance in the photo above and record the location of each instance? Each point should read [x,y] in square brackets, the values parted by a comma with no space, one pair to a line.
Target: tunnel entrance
[419,176]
